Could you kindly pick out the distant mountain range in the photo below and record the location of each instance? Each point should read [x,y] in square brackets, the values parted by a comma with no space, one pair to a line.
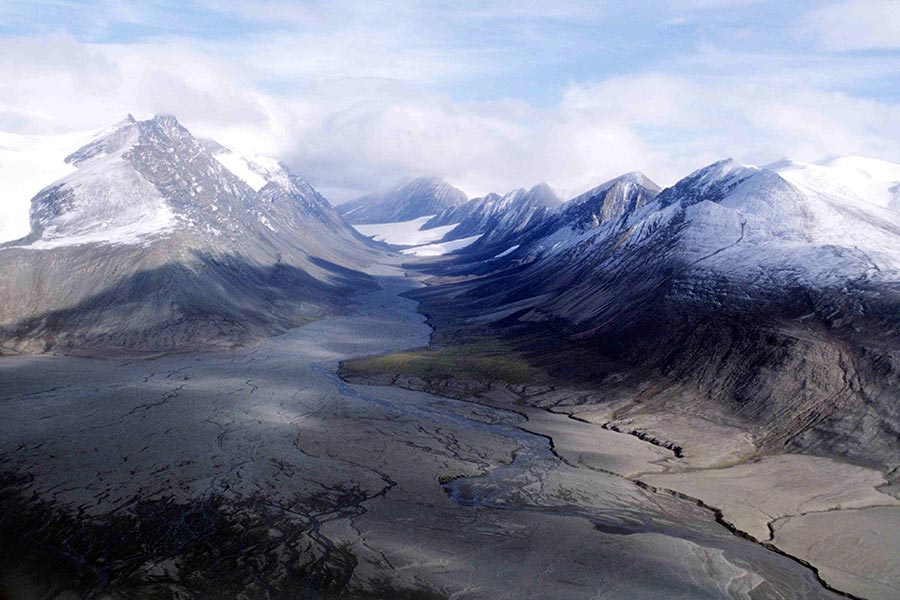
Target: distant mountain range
[407,200]
[514,211]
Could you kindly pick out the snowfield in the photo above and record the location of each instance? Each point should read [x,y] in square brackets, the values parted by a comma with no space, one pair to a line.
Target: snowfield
[417,241]
[850,177]
[254,170]
[27,165]
[508,251]
[405,233]
[142,228]
[109,202]
[441,248]
[241,167]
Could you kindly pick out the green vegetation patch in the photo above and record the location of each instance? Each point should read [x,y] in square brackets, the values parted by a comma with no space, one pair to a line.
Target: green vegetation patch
[483,360]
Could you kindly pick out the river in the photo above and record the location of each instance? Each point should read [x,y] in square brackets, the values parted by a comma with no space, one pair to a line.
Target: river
[259,473]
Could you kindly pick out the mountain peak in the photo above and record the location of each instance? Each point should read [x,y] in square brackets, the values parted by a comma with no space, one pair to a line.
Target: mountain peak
[634,177]
[610,200]
[164,229]
[421,180]
[166,119]
[408,199]
[141,180]
[638,178]
[544,195]
[128,133]
[720,170]
[712,182]
[166,124]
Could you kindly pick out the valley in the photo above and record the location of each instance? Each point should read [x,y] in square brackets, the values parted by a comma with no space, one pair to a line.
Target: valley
[214,383]
[260,471]
[480,300]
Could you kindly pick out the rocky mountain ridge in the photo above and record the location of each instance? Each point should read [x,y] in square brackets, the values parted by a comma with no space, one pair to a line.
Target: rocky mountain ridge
[152,243]
[407,200]
[736,292]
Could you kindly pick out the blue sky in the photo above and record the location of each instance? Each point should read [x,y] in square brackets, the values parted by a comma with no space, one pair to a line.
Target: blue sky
[491,95]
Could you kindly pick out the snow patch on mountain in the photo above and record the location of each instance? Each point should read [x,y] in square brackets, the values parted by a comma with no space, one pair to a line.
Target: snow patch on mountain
[852,178]
[104,200]
[441,248]
[148,224]
[508,251]
[27,165]
[405,233]
[240,166]
[256,171]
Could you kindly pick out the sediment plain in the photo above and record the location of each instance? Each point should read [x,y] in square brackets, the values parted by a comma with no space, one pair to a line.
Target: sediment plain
[260,473]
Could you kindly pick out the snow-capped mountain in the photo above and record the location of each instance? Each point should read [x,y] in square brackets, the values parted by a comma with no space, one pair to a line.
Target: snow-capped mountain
[457,225]
[772,291]
[156,239]
[143,180]
[408,200]
[510,224]
[463,225]
[514,211]
[27,164]
[853,178]
[398,216]
[786,218]
[610,200]
[736,218]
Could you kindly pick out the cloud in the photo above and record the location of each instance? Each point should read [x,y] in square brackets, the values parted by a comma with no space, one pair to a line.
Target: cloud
[349,134]
[354,98]
[856,25]
[748,120]
[661,124]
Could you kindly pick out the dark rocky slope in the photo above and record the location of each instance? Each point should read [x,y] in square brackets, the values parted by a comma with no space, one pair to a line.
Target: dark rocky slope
[725,297]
